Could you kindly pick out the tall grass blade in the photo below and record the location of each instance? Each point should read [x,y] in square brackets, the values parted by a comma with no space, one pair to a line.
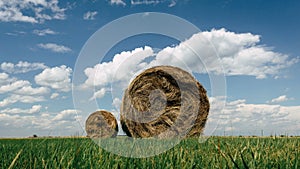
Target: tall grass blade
[15,159]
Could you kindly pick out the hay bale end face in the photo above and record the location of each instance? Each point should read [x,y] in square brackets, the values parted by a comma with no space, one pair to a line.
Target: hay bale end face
[101,124]
[164,102]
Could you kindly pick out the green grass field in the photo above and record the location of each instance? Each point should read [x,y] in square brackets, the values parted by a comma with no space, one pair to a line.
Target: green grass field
[216,152]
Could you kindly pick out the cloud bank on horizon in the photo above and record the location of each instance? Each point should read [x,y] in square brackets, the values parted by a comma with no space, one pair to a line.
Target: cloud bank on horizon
[47,86]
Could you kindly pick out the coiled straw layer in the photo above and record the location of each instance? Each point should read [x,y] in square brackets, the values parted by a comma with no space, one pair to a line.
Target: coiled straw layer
[101,124]
[164,102]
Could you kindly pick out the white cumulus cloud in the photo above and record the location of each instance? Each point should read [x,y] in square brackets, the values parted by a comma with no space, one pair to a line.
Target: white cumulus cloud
[34,109]
[153,2]
[14,98]
[20,87]
[54,95]
[55,47]
[13,86]
[58,78]
[21,67]
[173,3]
[216,51]
[117,2]
[14,91]
[67,115]
[279,99]
[99,94]
[117,103]
[30,91]
[44,32]
[250,119]
[5,79]
[61,123]
[121,68]
[239,53]
[37,11]
[90,15]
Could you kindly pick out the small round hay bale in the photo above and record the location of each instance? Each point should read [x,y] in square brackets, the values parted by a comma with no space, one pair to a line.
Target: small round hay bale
[164,102]
[101,124]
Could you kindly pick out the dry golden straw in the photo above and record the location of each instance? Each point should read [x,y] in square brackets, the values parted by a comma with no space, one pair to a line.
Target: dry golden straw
[164,102]
[101,124]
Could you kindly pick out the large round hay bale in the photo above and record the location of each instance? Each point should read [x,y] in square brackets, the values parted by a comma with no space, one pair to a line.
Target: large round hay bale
[164,102]
[101,124]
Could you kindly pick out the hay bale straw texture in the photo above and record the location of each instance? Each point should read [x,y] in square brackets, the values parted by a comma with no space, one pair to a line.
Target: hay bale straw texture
[164,102]
[101,124]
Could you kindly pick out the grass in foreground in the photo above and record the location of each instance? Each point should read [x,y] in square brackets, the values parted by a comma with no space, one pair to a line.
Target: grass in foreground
[216,152]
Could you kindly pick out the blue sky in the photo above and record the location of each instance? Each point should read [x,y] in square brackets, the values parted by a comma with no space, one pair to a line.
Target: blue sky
[40,43]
